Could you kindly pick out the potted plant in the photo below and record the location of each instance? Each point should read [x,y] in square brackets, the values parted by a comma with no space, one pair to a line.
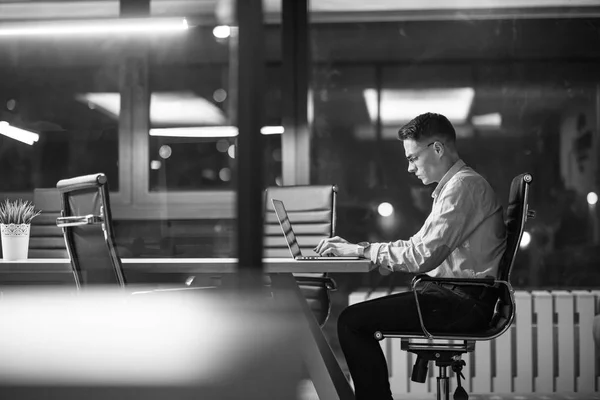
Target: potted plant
[15,224]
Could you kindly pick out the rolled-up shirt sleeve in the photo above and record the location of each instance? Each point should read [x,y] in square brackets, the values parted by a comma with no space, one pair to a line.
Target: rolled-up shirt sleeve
[456,213]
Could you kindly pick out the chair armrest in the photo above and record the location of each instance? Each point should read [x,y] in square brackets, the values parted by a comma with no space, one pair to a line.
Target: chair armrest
[456,281]
[487,282]
[63,222]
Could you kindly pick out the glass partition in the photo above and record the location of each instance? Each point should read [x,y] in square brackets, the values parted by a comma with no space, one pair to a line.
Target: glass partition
[156,112]
[522,92]
[56,117]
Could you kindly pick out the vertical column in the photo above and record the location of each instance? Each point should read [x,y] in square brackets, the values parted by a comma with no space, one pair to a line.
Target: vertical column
[502,382]
[564,309]
[524,342]
[584,308]
[295,141]
[595,156]
[543,309]
[482,379]
[399,369]
[250,160]
[135,105]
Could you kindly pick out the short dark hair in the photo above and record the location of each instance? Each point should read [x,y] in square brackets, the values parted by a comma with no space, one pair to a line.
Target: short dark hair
[426,126]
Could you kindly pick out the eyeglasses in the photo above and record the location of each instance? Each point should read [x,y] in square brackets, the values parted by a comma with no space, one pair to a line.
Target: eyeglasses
[414,157]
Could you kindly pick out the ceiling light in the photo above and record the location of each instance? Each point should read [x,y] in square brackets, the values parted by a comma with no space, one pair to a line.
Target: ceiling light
[210,131]
[18,134]
[80,28]
[166,108]
[199,131]
[399,106]
[487,120]
[222,31]
[272,130]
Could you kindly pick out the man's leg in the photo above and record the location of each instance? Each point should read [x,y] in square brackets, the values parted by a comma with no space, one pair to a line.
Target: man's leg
[358,323]
[365,359]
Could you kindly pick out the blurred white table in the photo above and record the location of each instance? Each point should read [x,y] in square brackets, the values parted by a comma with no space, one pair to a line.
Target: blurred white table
[193,265]
[324,370]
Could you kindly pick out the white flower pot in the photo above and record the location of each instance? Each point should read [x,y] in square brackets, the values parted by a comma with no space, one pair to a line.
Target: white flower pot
[15,241]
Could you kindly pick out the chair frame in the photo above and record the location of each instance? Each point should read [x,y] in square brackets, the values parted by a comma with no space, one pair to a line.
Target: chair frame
[449,354]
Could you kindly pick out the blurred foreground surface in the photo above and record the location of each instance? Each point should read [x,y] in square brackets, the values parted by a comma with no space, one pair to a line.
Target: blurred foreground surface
[106,344]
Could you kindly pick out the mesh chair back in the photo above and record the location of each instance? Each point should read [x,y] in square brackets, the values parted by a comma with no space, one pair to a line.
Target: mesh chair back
[88,232]
[311,210]
[516,216]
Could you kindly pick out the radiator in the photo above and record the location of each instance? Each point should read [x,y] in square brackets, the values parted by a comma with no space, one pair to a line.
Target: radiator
[548,349]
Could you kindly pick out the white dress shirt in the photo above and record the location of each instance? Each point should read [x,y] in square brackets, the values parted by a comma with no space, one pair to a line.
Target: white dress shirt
[464,236]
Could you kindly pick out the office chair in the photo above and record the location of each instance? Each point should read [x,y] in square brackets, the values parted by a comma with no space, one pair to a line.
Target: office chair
[88,232]
[449,354]
[87,227]
[311,211]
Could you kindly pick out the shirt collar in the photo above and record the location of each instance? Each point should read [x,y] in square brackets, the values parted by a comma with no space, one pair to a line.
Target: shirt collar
[447,176]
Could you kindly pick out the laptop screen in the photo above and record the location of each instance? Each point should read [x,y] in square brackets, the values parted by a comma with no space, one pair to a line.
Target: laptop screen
[286,227]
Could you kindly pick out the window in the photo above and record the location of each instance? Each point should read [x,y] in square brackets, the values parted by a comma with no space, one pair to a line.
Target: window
[521,101]
[48,89]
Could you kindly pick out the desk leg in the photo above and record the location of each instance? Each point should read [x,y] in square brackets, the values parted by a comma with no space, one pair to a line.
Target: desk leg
[323,368]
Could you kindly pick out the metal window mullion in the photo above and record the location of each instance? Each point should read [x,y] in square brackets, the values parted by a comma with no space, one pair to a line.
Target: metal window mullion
[296,140]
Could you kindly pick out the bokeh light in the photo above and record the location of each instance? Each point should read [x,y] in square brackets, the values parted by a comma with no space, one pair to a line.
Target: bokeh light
[385,209]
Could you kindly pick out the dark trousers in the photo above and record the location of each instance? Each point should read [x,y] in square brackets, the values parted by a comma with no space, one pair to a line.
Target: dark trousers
[444,309]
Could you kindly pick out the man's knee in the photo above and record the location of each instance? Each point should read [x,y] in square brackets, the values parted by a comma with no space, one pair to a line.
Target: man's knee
[349,318]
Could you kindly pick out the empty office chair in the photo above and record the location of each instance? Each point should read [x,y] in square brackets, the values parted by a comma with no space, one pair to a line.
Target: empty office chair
[46,240]
[88,232]
[311,211]
[449,354]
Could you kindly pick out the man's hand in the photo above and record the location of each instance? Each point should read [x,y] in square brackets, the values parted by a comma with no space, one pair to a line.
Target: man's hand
[336,246]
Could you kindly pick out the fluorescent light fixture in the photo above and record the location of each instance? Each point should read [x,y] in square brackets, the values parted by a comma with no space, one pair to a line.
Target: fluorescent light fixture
[390,132]
[399,106]
[166,108]
[18,134]
[95,27]
[272,130]
[492,120]
[222,31]
[210,131]
[200,131]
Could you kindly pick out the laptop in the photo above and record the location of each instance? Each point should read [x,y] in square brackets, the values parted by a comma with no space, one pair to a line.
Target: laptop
[290,236]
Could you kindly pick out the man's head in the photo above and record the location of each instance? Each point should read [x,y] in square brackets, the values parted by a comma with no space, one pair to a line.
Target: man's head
[429,146]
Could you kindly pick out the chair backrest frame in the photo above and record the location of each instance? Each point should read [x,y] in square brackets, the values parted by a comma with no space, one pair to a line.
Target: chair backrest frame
[517,213]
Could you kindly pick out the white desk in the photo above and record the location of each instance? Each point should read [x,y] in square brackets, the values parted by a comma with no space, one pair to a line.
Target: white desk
[193,265]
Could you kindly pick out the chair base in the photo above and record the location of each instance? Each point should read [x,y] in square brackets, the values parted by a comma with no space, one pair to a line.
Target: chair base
[444,355]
